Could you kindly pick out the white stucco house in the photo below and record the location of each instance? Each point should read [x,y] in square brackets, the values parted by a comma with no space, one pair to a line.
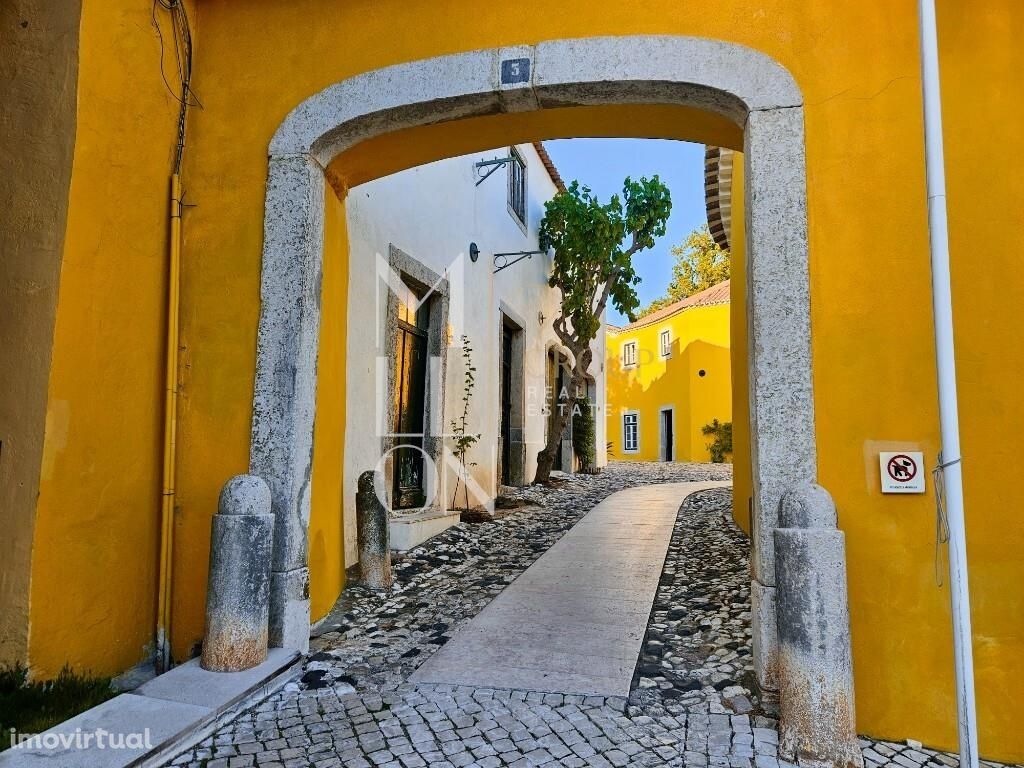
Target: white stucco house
[425,270]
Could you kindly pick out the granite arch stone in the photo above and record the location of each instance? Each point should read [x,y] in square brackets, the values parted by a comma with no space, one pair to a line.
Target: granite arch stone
[746,86]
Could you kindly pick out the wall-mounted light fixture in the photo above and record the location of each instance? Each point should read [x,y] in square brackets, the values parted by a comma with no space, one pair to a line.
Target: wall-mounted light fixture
[474,252]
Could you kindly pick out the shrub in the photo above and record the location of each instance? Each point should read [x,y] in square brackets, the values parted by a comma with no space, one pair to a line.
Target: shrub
[583,433]
[722,443]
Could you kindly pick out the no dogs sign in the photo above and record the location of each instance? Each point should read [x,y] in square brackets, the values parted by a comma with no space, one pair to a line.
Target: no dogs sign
[902,472]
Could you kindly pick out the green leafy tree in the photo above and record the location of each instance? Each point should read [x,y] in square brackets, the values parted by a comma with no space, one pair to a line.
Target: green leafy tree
[594,245]
[700,263]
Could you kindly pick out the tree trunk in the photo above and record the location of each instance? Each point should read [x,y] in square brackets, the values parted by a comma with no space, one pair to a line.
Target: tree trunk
[546,457]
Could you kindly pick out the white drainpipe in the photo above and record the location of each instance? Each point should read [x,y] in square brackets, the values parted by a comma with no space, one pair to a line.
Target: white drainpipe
[942,310]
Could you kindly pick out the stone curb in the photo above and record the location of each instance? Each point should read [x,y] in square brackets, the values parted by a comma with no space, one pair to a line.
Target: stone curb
[178,709]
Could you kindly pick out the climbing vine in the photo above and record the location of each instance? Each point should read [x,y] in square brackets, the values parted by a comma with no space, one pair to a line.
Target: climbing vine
[721,445]
[464,440]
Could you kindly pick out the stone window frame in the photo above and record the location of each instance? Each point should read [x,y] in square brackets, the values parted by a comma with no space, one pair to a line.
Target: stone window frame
[626,363]
[625,431]
[663,349]
[517,158]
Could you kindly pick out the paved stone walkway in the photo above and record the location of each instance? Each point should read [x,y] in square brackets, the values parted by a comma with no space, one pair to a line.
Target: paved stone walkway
[574,621]
[691,704]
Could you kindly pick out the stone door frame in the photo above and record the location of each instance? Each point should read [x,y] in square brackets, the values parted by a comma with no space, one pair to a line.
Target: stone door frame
[509,318]
[435,290]
[739,83]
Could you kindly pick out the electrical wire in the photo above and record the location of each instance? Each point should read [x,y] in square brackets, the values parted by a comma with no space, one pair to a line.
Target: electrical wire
[181,37]
[941,519]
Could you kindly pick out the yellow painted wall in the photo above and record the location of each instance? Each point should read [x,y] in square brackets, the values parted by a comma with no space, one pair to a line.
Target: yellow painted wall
[95,549]
[857,64]
[742,480]
[990,356]
[700,342]
[326,530]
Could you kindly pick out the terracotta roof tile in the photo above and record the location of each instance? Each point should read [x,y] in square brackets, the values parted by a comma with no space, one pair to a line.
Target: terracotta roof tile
[716,294]
[549,165]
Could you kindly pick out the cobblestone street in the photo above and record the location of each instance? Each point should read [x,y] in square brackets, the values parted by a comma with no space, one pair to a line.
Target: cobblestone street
[692,701]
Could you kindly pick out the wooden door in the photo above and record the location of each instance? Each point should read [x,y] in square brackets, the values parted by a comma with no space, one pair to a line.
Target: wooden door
[410,398]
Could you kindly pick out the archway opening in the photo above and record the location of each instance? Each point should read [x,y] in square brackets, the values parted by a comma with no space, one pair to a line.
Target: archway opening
[500,87]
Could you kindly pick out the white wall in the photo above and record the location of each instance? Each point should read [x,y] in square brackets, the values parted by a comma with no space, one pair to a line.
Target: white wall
[432,213]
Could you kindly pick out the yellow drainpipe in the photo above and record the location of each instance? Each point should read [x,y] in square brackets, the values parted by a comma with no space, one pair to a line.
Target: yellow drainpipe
[163,630]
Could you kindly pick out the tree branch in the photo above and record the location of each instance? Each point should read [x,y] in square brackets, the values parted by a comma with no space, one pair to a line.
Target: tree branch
[634,246]
[561,331]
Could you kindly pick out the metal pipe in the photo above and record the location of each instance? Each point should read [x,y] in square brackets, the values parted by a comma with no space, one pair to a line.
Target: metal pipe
[942,310]
[163,629]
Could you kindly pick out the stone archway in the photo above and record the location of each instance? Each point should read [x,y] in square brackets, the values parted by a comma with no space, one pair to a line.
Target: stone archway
[736,82]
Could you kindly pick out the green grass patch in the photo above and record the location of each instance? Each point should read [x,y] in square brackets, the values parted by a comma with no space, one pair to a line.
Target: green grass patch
[33,707]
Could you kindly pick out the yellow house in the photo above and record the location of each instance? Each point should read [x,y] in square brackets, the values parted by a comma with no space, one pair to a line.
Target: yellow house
[107,485]
[669,374]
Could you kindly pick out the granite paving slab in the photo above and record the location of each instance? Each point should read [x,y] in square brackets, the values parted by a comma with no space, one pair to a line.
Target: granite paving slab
[608,565]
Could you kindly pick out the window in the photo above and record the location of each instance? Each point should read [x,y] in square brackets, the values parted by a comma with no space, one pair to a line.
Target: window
[517,185]
[630,432]
[629,353]
[666,342]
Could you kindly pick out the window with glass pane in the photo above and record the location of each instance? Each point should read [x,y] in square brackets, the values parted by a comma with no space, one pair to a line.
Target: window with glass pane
[630,431]
[517,185]
[629,353]
[666,343]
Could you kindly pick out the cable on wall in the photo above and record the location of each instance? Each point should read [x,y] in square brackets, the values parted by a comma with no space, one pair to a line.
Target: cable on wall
[181,43]
[179,38]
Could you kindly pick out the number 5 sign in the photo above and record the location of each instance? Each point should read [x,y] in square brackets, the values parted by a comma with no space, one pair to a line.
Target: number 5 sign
[902,472]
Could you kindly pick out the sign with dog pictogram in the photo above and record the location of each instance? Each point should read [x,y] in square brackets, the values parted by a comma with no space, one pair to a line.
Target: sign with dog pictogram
[902,471]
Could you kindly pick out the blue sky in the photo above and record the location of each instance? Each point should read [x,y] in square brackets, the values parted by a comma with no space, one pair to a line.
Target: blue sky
[602,164]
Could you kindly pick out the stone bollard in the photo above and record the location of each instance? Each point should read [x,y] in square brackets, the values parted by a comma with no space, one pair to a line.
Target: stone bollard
[765,644]
[238,593]
[373,536]
[815,671]
[808,506]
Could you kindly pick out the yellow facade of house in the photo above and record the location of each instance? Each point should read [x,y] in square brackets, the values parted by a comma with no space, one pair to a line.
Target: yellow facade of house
[669,375]
[90,141]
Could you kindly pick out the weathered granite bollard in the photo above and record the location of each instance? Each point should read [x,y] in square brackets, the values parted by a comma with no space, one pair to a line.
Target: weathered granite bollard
[238,593]
[815,670]
[373,535]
